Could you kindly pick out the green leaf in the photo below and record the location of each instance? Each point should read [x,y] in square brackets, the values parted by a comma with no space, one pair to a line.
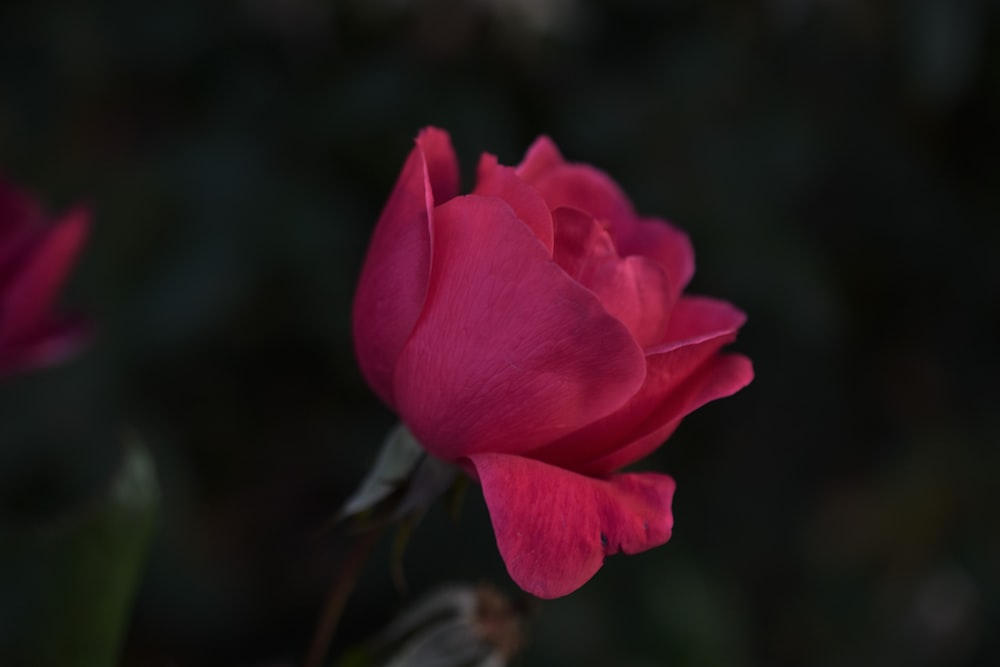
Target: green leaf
[67,585]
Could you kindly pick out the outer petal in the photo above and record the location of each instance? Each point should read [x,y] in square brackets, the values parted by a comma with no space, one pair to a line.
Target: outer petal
[442,165]
[394,277]
[38,277]
[719,377]
[634,289]
[554,527]
[499,181]
[509,352]
[699,328]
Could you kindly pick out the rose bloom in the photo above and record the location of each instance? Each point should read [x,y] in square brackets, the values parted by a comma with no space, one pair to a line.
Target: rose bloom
[35,258]
[534,333]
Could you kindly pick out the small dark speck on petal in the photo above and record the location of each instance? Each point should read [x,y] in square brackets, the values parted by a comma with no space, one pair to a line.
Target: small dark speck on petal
[604,540]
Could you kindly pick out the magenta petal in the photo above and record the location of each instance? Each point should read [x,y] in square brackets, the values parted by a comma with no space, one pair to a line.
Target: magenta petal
[509,352]
[719,377]
[589,190]
[394,277]
[697,318]
[26,302]
[554,527]
[541,157]
[578,186]
[503,182]
[51,344]
[442,165]
[661,241]
[635,289]
[699,327]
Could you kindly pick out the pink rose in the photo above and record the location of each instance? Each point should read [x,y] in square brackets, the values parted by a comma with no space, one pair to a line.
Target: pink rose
[35,258]
[534,332]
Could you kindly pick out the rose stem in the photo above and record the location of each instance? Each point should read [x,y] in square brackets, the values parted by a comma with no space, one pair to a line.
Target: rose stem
[340,590]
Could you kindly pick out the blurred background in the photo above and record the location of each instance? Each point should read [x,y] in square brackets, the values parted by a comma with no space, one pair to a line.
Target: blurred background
[834,161]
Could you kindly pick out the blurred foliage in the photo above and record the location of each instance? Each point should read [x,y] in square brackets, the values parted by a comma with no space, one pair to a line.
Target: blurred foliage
[67,584]
[833,160]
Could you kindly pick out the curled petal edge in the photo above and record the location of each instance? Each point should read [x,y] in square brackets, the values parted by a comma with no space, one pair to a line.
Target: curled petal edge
[393,280]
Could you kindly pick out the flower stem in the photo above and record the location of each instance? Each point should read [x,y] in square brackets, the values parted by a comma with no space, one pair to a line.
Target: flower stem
[340,590]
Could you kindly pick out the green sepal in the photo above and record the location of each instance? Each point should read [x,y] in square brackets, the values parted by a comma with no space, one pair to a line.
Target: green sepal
[396,461]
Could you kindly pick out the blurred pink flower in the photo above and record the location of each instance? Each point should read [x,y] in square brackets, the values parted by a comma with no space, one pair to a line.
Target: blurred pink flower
[36,255]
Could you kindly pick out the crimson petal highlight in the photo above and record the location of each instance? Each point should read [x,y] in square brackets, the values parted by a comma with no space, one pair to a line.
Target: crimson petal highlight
[554,526]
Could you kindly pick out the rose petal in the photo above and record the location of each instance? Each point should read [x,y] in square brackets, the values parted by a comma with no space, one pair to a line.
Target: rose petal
[660,241]
[633,289]
[509,352]
[499,181]
[699,327]
[394,277]
[53,343]
[697,318]
[26,302]
[719,377]
[587,189]
[554,527]
[541,157]
[581,242]
[592,191]
[442,165]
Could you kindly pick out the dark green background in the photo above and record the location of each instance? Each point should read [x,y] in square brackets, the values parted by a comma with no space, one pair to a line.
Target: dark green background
[835,162]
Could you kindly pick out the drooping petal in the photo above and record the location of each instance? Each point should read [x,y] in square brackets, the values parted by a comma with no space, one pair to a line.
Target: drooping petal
[394,277]
[554,527]
[635,289]
[509,352]
[499,181]
[26,302]
[699,327]
[719,377]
